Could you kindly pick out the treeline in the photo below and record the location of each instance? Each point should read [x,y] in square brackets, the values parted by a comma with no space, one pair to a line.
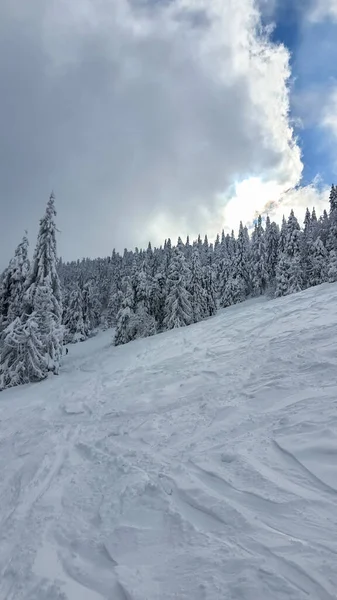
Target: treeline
[148,291]
[143,292]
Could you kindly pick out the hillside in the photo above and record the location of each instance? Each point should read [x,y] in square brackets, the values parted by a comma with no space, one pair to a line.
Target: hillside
[198,464]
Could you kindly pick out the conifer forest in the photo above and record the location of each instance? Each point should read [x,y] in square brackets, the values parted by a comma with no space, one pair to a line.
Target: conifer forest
[46,303]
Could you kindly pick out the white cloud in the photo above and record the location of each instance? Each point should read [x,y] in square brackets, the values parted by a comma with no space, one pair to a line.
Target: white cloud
[151,115]
[329,120]
[323,9]
[253,197]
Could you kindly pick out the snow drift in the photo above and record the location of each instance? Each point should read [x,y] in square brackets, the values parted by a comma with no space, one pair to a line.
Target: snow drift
[198,464]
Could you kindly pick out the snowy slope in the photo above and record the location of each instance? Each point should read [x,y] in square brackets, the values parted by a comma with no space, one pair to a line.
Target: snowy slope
[199,464]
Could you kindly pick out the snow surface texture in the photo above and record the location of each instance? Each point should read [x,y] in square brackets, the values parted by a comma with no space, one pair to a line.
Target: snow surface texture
[198,464]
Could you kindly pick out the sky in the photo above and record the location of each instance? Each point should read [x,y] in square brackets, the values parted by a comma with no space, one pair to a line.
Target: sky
[157,118]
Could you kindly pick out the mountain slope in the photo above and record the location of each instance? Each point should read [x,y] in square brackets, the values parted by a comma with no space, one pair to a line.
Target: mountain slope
[198,464]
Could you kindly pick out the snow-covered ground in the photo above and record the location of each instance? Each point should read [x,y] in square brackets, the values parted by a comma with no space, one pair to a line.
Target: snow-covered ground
[199,464]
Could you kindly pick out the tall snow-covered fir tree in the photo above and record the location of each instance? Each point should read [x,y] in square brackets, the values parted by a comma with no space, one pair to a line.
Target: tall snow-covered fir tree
[272,241]
[242,260]
[289,271]
[314,253]
[23,357]
[13,285]
[178,305]
[196,288]
[331,241]
[134,319]
[43,297]
[124,333]
[74,329]
[259,275]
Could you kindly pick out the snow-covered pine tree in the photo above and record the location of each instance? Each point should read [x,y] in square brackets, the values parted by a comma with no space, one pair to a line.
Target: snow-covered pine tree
[331,242]
[188,249]
[242,256]
[143,323]
[210,289]
[314,254]
[23,357]
[318,264]
[283,269]
[178,307]
[13,284]
[289,272]
[44,287]
[272,238]
[332,235]
[91,307]
[114,303]
[73,319]
[167,255]
[314,224]
[282,236]
[133,319]
[323,227]
[12,367]
[234,290]
[307,242]
[196,288]
[259,276]
[123,332]
[157,298]
[225,269]
[217,251]
[332,266]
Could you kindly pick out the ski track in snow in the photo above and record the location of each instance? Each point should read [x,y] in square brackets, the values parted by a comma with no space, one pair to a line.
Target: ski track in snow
[198,464]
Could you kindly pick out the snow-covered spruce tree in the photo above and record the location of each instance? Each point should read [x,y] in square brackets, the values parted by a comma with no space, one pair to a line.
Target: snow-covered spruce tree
[210,289]
[12,366]
[314,254]
[314,225]
[157,298]
[282,276]
[332,235]
[323,227]
[23,358]
[123,332]
[73,318]
[289,271]
[234,290]
[331,242]
[178,307]
[307,242]
[133,319]
[318,264]
[91,307]
[13,284]
[43,297]
[114,303]
[259,275]
[242,256]
[332,266]
[282,236]
[196,288]
[143,323]
[224,270]
[167,255]
[272,237]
